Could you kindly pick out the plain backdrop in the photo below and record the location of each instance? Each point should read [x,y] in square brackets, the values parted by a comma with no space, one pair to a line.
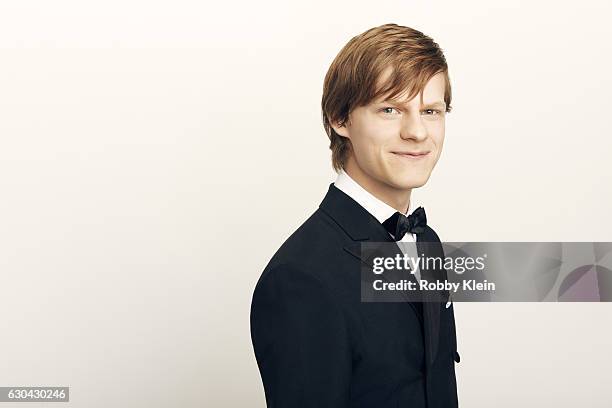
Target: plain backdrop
[155,154]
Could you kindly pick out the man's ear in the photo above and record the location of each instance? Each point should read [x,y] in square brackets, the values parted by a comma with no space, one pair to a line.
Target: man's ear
[340,128]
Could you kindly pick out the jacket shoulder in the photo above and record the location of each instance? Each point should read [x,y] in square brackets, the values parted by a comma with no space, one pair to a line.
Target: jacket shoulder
[314,238]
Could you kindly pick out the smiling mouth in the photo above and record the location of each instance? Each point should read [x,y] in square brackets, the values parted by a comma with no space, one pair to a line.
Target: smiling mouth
[412,155]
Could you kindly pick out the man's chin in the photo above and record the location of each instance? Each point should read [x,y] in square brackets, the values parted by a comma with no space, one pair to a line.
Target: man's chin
[408,178]
[409,183]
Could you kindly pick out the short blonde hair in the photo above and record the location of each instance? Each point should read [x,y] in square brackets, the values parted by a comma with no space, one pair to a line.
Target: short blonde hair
[351,80]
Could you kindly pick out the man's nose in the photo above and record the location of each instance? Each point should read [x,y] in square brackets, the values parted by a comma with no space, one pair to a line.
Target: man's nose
[413,128]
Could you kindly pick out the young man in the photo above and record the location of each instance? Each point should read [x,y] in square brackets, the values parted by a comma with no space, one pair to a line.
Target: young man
[317,344]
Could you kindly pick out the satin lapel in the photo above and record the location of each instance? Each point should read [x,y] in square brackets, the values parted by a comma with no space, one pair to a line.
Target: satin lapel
[390,249]
[359,224]
[431,303]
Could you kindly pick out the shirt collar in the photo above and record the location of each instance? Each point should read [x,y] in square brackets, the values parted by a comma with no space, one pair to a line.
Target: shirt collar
[379,209]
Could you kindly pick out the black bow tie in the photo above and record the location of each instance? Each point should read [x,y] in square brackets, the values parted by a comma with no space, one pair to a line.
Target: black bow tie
[398,224]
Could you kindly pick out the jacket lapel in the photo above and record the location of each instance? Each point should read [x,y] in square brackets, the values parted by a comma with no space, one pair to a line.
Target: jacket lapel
[431,301]
[362,226]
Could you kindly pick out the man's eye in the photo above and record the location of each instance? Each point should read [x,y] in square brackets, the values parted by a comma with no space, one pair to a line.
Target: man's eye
[432,111]
[389,110]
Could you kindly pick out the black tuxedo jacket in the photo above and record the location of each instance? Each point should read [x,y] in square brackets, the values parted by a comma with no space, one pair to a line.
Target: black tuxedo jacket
[318,345]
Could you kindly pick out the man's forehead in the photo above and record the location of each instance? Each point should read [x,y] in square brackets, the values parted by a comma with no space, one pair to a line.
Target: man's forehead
[432,92]
[402,99]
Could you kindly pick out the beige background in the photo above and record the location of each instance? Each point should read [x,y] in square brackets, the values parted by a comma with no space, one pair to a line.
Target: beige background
[154,156]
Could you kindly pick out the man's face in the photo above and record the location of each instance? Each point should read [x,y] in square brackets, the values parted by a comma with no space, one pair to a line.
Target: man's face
[383,135]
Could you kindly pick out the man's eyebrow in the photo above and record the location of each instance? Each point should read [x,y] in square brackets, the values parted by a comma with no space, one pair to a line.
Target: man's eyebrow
[440,104]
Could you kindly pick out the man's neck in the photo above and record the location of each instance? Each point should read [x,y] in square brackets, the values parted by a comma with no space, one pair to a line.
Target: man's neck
[398,199]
